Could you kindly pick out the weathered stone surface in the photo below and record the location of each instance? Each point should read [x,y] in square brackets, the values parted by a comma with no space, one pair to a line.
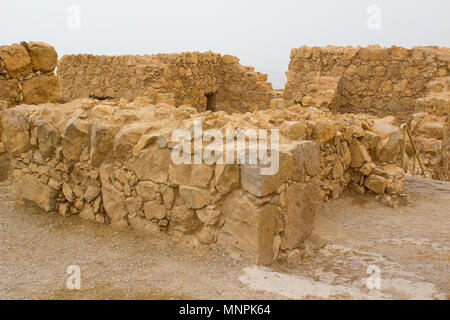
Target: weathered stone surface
[253,181]
[144,226]
[147,190]
[390,138]
[134,205]
[183,218]
[41,89]
[302,203]
[113,200]
[43,56]
[226,177]
[9,91]
[4,165]
[47,138]
[15,134]
[16,60]
[101,139]
[359,154]
[306,159]
[91,193]
[154,210]
[32,189]
[375,183]
[209,215]
[68,192]
[248,230]
[76,135]
[87,213]
[194,197]
[151,164]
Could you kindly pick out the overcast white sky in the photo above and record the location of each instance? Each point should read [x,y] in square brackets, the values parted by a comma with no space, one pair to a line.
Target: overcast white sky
[260,32]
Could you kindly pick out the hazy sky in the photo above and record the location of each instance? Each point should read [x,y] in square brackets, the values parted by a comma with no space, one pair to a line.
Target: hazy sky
[261,33]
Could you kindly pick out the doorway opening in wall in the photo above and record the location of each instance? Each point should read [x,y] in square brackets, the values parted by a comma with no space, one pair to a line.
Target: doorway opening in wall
[211,101]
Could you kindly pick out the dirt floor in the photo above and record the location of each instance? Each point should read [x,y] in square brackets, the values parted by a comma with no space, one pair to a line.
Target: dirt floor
[409,246]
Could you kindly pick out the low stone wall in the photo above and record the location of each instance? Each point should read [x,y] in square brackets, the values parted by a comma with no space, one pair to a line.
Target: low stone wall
[204,80]
[112,163]
[27,74]
[382,81]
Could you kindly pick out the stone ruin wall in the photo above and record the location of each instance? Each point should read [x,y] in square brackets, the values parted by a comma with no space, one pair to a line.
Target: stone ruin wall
[180,79]
[109,162]
[410,84]
[382,81]
[27,74]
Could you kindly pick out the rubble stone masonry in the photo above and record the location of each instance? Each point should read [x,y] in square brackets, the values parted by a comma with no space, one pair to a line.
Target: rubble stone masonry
[105,152]
[373,79]
[204,80]
[27,74]
[110,162]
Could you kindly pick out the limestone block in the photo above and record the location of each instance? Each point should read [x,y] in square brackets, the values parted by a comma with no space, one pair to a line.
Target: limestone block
[226,177]
[194,197]
[30,188]
[41,89]
[47,138]
[16,60]
[375,183]
[248,230]
[9,91]
[144,226]
[15,134]
[76,135]
[154,210]
[253,180]
[303,200]
[358,153]
[390,140]
[112,199]
[43,56]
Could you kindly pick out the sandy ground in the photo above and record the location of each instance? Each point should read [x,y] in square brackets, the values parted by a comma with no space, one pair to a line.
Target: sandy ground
[409,248]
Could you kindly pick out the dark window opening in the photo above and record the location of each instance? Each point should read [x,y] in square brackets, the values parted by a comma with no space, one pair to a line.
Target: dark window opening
[102,98]
[211,101]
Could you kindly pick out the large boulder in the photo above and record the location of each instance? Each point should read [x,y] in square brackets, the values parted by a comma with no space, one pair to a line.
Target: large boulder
[302,201]
[47,137]
[16,60]
[389,145]
[112,199]
[43,56]
[249,229]
[76,136]
[29,188]
[41,89]
[9,91]
[15,134]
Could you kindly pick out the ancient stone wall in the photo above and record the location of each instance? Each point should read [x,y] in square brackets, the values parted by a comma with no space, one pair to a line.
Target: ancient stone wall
[111,162]
[204,80]
[27,74]
[377,80]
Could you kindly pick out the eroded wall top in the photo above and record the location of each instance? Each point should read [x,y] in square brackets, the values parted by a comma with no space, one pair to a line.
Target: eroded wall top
[27,74]
[204,80]
[372,79]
